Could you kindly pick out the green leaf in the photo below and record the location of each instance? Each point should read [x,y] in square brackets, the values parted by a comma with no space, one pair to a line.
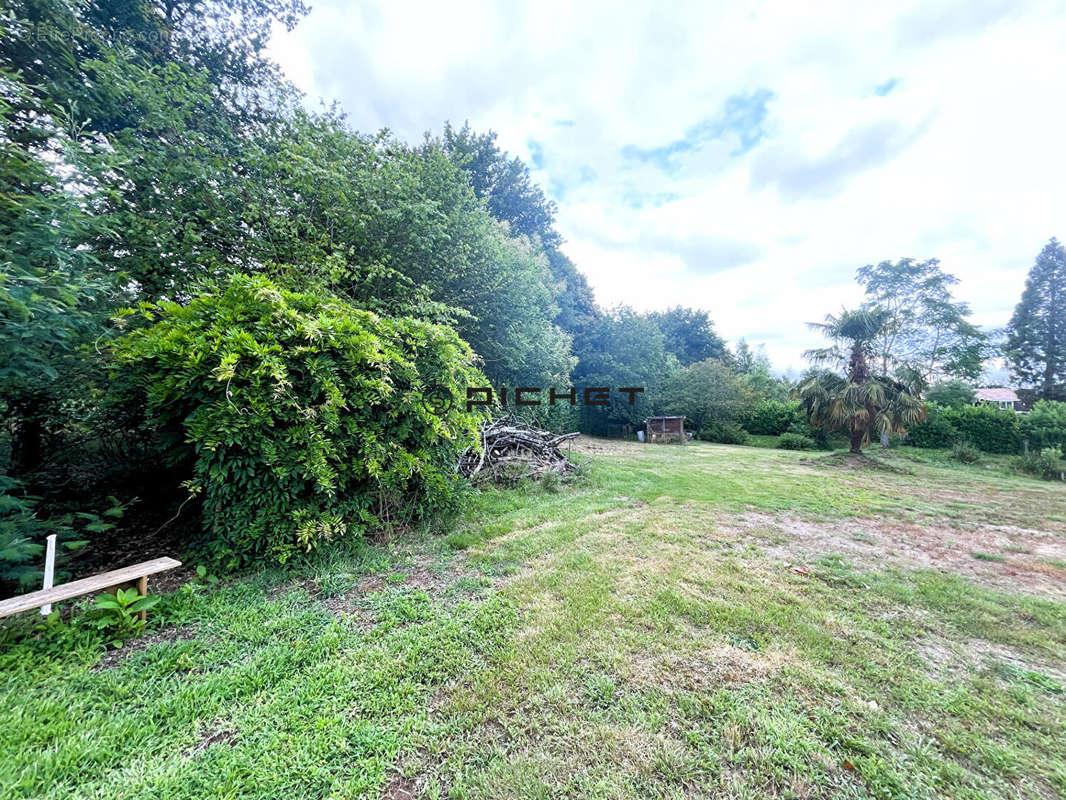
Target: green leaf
[144,603]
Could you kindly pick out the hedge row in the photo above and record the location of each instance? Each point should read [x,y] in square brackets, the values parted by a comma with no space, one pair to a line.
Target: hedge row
[992,430]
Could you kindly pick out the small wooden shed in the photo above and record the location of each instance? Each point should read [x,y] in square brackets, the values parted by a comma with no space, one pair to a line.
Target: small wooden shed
[665,429]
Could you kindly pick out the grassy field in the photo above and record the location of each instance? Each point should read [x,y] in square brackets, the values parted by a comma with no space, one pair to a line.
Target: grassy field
[686,621]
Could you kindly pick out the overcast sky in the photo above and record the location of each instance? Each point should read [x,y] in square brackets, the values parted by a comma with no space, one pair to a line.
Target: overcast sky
[743,158]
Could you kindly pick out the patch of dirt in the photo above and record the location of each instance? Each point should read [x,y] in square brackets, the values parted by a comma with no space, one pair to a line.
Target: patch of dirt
[1019,556]
[220,736]
[949,659]
[421,577]
[400,788]
[854,461]
[420,573]
[703,669]
[112,658]
[591,445]
[348,606]
[171,580]
[372,583]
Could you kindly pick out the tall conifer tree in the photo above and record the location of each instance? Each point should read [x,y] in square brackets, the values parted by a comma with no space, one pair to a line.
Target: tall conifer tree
[1036,334]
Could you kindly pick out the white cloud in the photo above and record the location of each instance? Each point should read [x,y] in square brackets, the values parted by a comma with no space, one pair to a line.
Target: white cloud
[674,187]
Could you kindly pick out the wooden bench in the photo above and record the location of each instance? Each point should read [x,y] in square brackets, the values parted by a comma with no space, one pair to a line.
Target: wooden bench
[105,581]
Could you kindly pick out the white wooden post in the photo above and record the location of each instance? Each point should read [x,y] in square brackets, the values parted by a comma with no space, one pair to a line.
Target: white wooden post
[49,570]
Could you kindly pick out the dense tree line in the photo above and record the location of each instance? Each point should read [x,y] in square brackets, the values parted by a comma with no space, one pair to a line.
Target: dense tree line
[151,157]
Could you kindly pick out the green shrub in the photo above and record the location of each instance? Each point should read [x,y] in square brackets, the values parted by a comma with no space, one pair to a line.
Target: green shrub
[800,427]
[935,432]
[23,533]
[1045,425]
[796,441]
[770,418]
[989,429]
[723,433]
[1043,464]
[965,453]
[301,416]
[951,394]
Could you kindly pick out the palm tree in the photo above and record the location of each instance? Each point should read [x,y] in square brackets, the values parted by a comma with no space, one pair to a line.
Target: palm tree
[857,401]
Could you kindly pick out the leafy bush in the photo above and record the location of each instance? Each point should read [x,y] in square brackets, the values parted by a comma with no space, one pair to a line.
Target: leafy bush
[723,433]
[989,429]
[965,453]
[770,418]
[1045,425]
[23,533]
[301,416]
[708,393]
[796,441]
[951,394]
[935,432]
[800,427]
[1044,464]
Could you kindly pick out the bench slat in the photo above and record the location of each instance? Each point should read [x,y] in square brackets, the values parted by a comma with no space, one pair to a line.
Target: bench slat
[66,591]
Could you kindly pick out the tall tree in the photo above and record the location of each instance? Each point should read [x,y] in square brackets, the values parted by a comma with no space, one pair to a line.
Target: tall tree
[753,366]
[625,349]
[858,401]
[1036,334]
[117,137]
[927,333]
[503,182]
[399,230]
[689,334]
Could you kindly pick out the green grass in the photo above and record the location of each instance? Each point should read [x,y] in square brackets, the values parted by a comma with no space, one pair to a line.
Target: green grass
[639,634]
[762,440]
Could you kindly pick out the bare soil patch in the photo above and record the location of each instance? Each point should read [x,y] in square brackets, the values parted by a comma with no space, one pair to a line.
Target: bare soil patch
[591,445]
[220,736]
[400,788]
[853,461]
[948,659]
[874,543]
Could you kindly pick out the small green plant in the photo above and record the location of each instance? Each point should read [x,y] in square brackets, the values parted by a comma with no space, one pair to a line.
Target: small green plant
[1046,464]
[205,578]
[965,453]
[724,433]
[551,482]
[120,612]
[600,690]
[796,441]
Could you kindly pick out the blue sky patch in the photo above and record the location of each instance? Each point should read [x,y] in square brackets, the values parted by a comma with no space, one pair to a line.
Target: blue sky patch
[536,154]
[884,88]
[741,115]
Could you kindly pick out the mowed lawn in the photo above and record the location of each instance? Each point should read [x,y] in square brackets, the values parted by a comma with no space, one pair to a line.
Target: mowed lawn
[685,621]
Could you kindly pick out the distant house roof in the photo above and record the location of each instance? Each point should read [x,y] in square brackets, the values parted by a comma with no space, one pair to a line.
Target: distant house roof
[997,395]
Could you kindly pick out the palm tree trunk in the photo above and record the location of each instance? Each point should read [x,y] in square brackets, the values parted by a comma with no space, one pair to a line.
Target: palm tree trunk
[856,441]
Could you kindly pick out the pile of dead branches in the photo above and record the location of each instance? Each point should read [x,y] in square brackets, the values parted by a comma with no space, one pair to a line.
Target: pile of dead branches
[511,451]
